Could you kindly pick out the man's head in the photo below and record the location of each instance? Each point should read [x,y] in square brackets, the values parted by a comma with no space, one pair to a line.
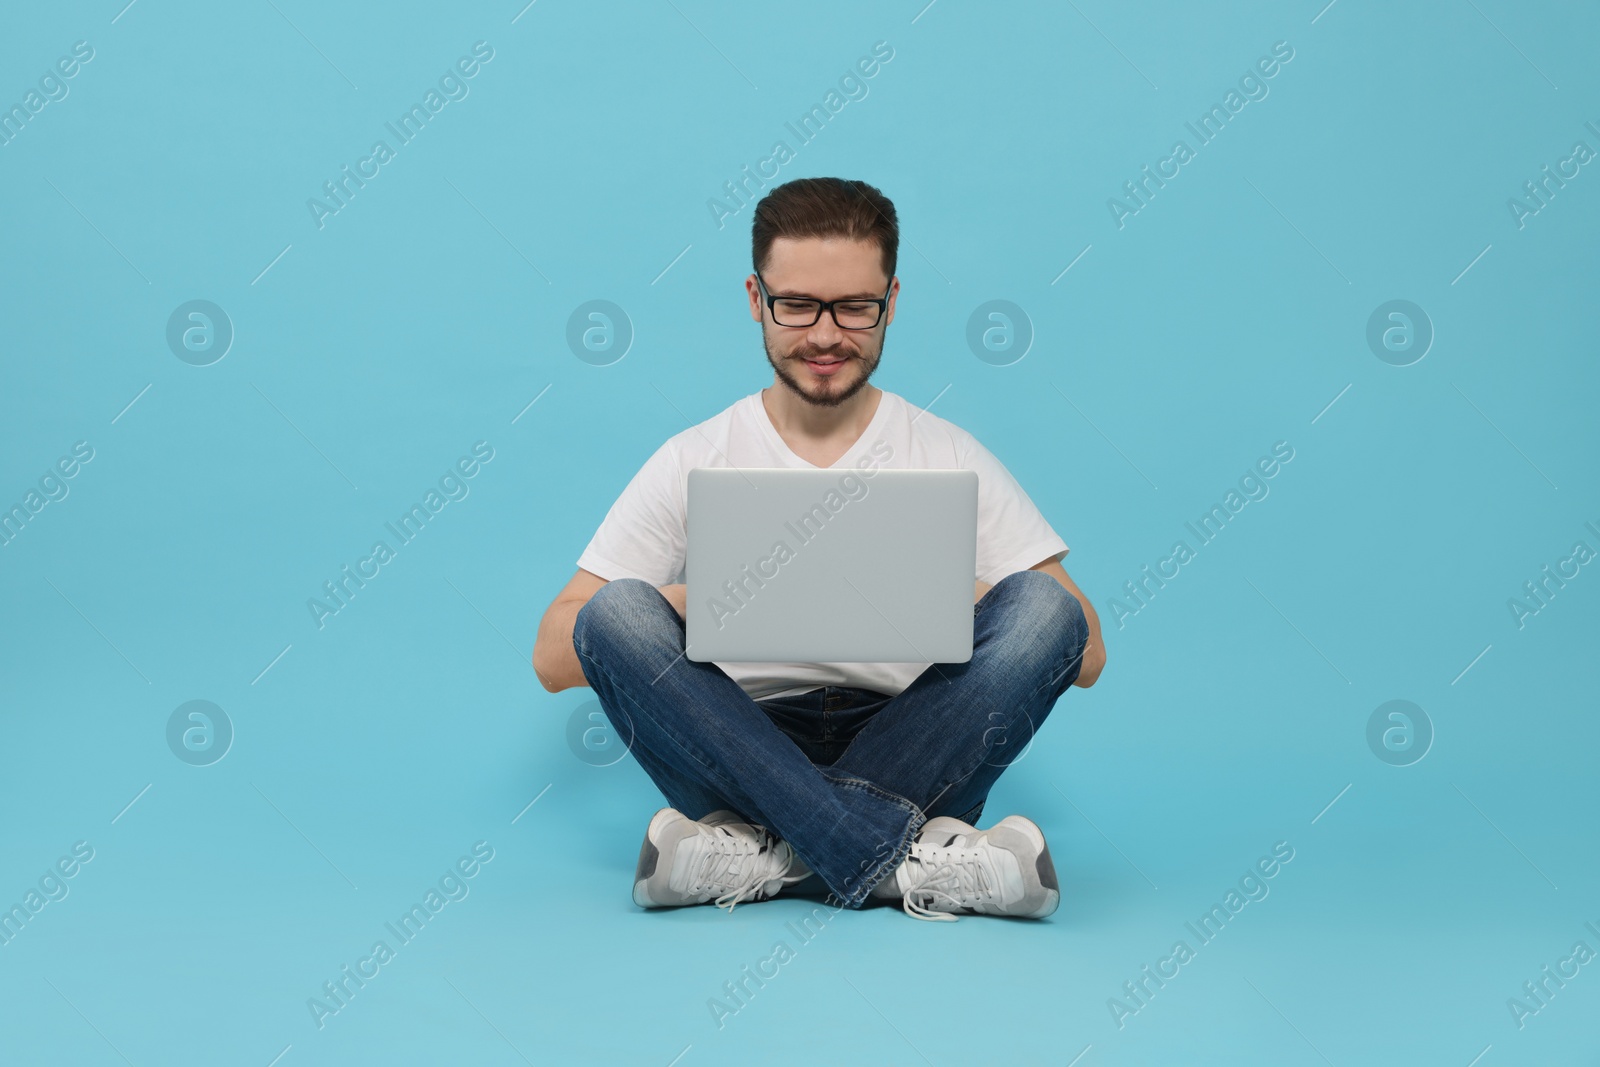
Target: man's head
[824,239]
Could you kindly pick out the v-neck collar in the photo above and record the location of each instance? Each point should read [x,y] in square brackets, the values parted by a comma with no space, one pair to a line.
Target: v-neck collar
[765,422]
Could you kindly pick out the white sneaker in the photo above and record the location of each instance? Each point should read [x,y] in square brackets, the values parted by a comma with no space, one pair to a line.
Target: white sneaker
[720,857]
[953,866]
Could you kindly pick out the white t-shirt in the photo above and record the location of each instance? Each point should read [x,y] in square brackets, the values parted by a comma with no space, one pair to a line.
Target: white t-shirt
[645,534]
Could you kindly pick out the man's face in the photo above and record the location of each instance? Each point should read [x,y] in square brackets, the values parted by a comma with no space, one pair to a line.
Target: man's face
[822,364]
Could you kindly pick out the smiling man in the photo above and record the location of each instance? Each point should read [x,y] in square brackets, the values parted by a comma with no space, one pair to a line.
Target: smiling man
[867,778]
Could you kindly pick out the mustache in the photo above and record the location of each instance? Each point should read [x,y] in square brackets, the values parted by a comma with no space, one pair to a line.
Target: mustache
[809,352]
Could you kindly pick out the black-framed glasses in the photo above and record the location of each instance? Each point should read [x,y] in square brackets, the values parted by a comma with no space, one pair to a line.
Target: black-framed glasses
[856,313]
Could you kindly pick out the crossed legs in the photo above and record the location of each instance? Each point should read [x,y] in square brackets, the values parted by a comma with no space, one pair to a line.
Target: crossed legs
[935,748]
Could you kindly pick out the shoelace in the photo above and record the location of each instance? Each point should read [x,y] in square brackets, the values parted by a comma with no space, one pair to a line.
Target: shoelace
[942,869]
[723,851]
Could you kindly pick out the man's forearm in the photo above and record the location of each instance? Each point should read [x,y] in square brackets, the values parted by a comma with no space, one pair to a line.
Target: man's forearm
[555,661]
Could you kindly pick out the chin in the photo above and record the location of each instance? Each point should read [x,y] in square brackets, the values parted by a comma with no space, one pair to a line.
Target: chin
[825,393]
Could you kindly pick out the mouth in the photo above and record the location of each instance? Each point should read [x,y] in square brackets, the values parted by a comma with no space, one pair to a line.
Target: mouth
[825,367]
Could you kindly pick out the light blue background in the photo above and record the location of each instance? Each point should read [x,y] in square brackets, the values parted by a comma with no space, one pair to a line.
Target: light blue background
[372,353]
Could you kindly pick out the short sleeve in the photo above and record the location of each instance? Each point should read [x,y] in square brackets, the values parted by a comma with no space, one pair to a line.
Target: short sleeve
[1013,534]
[645,534]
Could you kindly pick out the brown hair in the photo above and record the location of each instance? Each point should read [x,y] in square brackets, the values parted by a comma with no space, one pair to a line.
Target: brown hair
[826,207]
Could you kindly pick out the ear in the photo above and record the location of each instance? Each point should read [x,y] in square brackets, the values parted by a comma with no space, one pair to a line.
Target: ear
[894,291]
[754,291]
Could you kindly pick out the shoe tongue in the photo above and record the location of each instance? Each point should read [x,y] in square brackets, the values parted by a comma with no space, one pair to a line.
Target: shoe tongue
[747,832]
[945,838]
[766,858]
[951,867]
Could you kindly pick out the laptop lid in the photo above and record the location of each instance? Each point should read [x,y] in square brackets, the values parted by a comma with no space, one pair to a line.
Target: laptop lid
[829,565]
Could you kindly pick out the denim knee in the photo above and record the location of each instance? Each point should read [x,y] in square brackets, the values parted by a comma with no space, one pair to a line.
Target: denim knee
[1039,606]
[612,606]
[1042,599]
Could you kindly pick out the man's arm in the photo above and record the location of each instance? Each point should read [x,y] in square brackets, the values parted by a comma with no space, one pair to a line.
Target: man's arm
[1094,651]
[555,661]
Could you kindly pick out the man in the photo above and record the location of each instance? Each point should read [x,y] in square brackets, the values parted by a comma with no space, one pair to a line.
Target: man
[867,777]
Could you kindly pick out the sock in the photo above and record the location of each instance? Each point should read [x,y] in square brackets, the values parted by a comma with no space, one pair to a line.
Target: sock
[889,887]
[798,871]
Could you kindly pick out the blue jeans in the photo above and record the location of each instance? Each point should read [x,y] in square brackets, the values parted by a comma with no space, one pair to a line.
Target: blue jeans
[846,776]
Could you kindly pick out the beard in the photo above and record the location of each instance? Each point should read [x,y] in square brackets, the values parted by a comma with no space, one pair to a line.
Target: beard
[822,392]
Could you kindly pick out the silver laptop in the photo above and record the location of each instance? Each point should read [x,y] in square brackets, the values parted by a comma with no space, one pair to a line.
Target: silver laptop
[830,565]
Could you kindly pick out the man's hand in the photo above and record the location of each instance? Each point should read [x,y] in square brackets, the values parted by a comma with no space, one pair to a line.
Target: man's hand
[980,588]
[676,596]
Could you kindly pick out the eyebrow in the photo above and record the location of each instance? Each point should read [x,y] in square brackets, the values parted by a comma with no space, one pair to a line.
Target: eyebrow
[808,296]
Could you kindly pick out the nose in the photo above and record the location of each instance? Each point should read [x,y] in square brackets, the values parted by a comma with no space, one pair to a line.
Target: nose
[825,333]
